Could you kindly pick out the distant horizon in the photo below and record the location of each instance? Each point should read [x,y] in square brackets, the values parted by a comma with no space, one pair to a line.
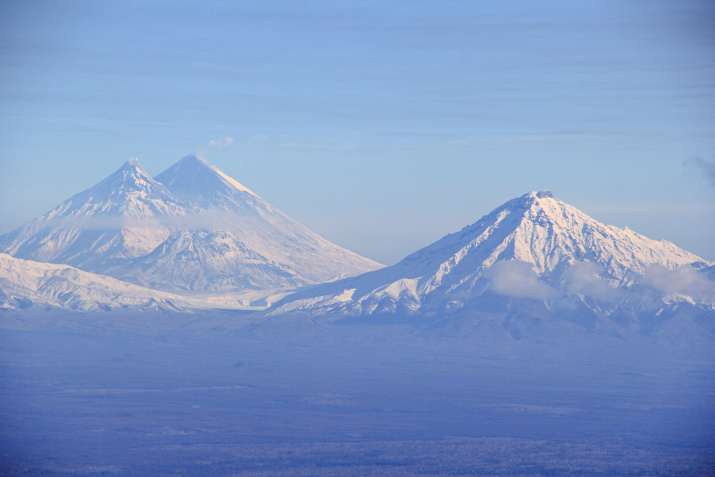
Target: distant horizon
[381,126]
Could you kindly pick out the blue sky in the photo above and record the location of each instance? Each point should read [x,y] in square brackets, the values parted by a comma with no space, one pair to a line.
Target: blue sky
[380,125]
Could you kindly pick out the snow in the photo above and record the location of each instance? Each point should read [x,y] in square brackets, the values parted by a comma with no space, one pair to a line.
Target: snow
[222,246]
[26,283]
[192,229]
[549,237]
[233,182]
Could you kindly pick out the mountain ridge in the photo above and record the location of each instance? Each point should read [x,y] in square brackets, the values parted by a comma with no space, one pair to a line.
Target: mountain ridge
[204,231]
[122,216]
[26,283]
[531,247]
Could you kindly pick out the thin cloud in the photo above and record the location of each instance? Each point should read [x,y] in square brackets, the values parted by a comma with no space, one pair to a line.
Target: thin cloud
[518,279]
[681,281]
[215,144]
[514,278]
[584,278]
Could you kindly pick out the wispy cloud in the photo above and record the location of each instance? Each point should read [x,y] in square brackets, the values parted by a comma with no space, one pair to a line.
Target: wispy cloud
[682,281]
[215,144]
[518,279]
[513,278]
[584,278]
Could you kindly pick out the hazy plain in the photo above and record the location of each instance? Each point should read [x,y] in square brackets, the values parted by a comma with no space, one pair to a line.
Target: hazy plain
[232,394]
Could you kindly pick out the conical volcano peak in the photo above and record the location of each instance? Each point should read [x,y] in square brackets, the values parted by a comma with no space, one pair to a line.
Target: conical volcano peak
[128,192]
[131,168]
[129,182]
[186,166]
[549,233]
[191,228]
[117,218]
[131,172]
[542,194]
[194,159]
[532,247]
[195,181]
[542,205]
[535,196]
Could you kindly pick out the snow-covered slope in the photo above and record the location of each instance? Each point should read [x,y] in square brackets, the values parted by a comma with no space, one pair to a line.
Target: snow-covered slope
[203,186]
[124,216]
[534,247]
[233,238]
[194,228]
[25,283]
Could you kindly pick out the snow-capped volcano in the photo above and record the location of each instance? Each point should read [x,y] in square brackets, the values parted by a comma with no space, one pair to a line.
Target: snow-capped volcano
[547,234]
[194,228]
[122,217]
[203,186]
[232,238]
[532,247]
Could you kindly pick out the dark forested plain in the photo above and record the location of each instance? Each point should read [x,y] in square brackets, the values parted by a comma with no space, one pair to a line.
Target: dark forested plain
[241,394]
